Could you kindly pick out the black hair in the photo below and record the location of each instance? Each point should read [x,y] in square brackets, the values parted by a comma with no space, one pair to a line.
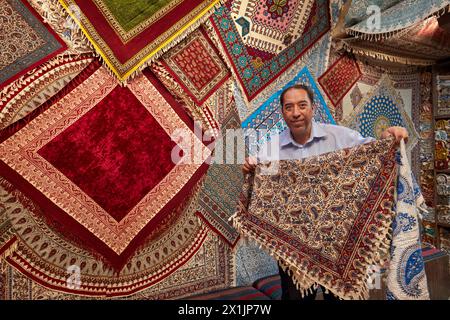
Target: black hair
[298,86]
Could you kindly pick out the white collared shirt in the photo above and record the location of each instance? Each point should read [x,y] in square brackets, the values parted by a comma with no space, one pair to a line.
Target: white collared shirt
[324,138]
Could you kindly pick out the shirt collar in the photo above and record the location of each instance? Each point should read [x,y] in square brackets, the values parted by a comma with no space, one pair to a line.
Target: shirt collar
[316,132]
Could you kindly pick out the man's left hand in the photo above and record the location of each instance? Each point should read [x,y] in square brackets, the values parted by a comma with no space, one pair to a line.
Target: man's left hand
[398,132]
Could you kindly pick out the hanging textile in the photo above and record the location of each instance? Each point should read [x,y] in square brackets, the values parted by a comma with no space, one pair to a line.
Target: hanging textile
[324,218]
[406,279]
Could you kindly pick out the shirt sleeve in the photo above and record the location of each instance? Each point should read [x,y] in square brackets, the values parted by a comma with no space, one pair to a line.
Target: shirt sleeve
[351,138]
[359,139]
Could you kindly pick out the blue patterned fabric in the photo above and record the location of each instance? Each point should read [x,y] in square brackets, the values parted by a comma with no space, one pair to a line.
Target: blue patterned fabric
[395,17]
[380,109]
[268,116]
[253,263]
[406,278]
[317,58]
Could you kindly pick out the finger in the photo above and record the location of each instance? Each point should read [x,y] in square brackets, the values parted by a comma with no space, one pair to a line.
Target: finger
[250,167]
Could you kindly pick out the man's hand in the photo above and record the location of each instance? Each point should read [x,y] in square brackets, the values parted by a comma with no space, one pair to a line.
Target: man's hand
[249,165]
[398,132]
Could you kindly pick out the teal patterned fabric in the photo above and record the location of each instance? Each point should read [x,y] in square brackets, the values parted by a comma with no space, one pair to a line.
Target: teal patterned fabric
[253,80]
[253,263]
[316,59]
[394,16]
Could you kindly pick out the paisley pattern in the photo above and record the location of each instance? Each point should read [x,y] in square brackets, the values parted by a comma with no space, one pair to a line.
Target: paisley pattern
[325,217]
[26,41]
[17,35]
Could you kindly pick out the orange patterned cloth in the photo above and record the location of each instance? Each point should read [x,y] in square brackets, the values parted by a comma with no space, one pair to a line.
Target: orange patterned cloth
[340,78]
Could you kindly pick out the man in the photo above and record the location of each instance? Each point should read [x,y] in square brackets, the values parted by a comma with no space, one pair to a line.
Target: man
[306,138]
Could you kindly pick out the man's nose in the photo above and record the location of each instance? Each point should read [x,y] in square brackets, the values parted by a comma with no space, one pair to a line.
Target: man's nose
[296,112]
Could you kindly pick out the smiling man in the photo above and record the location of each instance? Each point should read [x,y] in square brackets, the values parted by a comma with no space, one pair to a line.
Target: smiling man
[306,138]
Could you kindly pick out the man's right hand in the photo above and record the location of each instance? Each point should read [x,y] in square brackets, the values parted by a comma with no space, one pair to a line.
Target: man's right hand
[249,165]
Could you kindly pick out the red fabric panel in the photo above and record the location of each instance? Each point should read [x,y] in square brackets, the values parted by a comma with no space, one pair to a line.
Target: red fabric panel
[116,153]
[58,218]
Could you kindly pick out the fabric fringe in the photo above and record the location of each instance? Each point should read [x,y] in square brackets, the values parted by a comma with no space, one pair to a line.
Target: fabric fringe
[386,35]
[20,88]
[52,14]
[145,62]
[180,37]
[53,9]
[300,276]
[385,56]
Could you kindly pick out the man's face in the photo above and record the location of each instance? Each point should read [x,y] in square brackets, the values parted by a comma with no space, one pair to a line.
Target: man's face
[297,111]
